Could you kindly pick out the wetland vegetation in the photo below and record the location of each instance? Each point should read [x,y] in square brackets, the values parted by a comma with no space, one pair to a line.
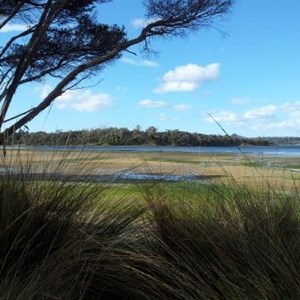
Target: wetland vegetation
[233,233]
[232,237]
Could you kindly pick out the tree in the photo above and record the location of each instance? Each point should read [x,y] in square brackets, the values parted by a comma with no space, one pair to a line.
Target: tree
[64,40]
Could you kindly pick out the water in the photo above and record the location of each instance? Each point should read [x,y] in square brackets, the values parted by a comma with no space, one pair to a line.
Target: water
[131,176]
[271,151]
[117,177]
[248,150]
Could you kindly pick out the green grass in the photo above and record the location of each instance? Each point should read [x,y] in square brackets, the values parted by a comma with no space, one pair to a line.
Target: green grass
[180,160]
[183,240]
[84,159]
[267,163]
[172,160]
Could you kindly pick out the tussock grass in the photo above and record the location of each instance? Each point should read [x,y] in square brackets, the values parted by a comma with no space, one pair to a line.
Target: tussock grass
[231,243]
[66,240]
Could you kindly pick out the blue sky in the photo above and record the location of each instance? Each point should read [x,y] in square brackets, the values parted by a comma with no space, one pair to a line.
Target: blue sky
[245,73]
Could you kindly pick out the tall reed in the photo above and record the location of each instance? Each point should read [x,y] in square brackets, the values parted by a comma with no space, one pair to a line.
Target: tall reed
[62,239]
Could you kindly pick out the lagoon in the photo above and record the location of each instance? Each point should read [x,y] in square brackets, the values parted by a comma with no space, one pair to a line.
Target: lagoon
[281,150]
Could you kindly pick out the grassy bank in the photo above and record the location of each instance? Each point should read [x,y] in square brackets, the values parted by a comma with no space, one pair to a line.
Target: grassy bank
[280,171]
[61,240]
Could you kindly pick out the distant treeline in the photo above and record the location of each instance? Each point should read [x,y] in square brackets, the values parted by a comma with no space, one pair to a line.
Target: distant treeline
[124,136]
[284,140]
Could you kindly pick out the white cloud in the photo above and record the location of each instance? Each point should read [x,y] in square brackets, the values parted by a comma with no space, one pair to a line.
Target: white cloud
[223,116]
[138,23]
[254,117]
[148,103]
[267,120]
[142,63]
[264,112]
[44,90]
[141,23]
[287,124]
[182,107]
[149,63]
[291,107]
[11,27]
[80,100]
[83,100]
[176,86]
[188,77]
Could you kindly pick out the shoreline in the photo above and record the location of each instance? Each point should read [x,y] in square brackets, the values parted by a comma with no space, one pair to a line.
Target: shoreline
[279,150]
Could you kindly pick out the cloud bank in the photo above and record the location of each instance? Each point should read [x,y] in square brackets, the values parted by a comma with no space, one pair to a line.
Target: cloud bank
[264,118]
[141,23]
[148,103]
[187,78]
[80,100]
[143,63]
[83,100]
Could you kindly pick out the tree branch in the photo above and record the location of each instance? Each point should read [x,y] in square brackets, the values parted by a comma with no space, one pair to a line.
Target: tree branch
[59,89]
[43,24]
[13,39]
[11,16]
[53,45]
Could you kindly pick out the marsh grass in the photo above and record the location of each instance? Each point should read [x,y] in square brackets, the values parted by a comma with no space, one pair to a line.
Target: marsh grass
[231,243]
[66,240]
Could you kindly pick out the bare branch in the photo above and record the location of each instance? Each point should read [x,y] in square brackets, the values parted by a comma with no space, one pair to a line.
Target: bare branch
[131,52]
[43,73]
[85,87]
[12,14]
[17,116]
[13,39]
[75,84]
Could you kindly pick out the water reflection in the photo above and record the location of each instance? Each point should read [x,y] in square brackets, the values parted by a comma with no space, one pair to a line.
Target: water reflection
[125,176]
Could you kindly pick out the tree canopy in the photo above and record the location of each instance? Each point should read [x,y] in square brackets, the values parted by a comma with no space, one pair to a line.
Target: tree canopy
[66,40]
[136,137]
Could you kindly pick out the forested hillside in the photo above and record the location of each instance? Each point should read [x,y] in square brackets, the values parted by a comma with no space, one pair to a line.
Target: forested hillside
[124,136]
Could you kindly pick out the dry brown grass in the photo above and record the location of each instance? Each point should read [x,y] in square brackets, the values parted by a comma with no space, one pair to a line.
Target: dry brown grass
[235,167]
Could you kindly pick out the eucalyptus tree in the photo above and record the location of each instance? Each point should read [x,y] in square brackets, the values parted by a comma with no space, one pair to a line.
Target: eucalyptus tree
[66,40]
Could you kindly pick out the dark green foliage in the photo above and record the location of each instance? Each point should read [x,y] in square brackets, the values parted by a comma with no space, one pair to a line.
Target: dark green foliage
[73,37]
[184,15]
[124,136]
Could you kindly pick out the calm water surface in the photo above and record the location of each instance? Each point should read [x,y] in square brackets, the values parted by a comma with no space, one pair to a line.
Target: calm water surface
[253,150]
